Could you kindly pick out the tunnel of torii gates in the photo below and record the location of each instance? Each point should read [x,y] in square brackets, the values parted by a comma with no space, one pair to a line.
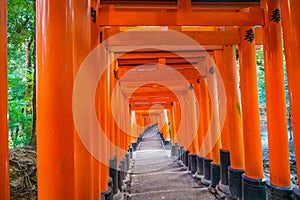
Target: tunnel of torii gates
[187,110]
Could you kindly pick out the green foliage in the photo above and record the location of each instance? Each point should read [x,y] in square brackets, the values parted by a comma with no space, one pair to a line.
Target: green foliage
[261,84]
[262,87]
[21,39]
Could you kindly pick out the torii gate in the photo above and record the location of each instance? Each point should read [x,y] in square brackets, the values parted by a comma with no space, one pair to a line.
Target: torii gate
[65,35]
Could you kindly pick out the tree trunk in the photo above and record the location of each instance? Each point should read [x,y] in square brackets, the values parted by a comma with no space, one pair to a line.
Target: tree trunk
[33,130]
[33,133]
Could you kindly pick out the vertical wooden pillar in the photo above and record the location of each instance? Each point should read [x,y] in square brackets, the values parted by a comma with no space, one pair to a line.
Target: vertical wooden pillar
[95,32]
[206,109]
[251,123]
[214,125]
[291,32]
[177,116]
[206,148]
[275,95]
[81,48]
[173,124]
[250,108]
[170,117]
[215,120]
[138,126]
[127,135]
[224,151]
[102,92]
[122,110]
[230,78]
[111,121]
[165,128]
[55,146]
[94,42]
[120,137]
[182,129]
[4,161]
[133,130]
[129,138]
[236,145]
[224,131]
[147,119]
[160,124]
[200,101]
[193,134]
[186,121]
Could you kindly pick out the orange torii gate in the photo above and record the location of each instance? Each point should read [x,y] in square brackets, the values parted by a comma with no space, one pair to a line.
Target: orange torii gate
[67,32]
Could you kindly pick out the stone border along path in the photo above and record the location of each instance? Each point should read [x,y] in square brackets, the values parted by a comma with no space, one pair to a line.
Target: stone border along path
[155,174]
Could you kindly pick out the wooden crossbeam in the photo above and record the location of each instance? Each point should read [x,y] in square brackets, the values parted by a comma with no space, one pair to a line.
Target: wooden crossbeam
[145,38]
[173,5]
[155,88]
[157,76]
[175,18]
[152,94]
[148,106]
[151,100]
[169,61]
[174,47]
[156,55]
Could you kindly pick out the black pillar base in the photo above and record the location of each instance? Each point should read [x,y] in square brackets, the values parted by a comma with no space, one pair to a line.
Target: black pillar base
[183,156]
[296,193]
[206,180]
[129,152]
[134,146]
[173,150]
[215,175]
[223,189]
[193,163]
[176,150]
[225,163]
[235,182]
[125,165]
[279,193]
[107,195]
[110,182]
[120,179]
[167,143]
[113,173]
[127,161]
[181,150]
[200,166]
[139,140]
[253,189]
[190,162]
[186,158]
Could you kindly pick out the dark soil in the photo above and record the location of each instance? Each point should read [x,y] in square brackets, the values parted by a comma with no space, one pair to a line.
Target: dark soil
[23,178]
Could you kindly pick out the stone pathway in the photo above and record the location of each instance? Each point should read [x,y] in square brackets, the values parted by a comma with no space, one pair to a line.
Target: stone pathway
[156,175]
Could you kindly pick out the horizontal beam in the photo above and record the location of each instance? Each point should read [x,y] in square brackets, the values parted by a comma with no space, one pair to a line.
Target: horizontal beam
[148,107]
[169,61]
[150,47]
[157,76]
[124,69]
[189,18]
[158,5]
[155,88]
[168,83]
[153,94]
[151,100]
[155,38]
[163,54]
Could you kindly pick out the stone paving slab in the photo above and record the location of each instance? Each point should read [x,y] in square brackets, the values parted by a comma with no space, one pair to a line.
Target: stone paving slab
[156,175]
